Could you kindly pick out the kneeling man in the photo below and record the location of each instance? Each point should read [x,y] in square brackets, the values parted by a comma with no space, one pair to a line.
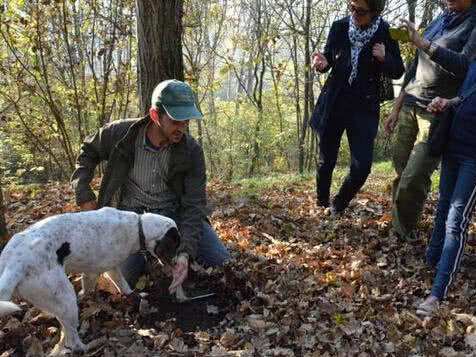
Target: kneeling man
[154,165]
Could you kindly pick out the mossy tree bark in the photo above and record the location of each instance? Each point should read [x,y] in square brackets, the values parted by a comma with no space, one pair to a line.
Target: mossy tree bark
[159,33]
[3,223]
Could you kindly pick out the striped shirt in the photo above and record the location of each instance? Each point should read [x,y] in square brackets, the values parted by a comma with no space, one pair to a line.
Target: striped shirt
[146,186]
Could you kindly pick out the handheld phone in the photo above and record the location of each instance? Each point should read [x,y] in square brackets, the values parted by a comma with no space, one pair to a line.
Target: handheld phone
[399,34]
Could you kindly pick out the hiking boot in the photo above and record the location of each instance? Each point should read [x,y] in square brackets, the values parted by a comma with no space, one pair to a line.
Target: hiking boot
[322,202]
[333,212]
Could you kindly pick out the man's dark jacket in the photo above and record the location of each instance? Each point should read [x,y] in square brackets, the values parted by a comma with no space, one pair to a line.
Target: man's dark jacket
[366,84]
[115,143]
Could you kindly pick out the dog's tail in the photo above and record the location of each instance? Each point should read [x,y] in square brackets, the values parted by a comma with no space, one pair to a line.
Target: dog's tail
[8,308]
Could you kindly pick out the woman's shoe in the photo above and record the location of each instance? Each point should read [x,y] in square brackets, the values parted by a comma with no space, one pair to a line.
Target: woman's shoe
[333,212]
[322,203]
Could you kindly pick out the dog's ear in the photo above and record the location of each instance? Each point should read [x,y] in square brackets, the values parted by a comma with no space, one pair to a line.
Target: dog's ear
[167,246]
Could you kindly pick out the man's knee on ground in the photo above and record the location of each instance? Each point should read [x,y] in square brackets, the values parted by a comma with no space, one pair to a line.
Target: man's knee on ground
[220,256]
[218,259]
[224,257]
[211,250]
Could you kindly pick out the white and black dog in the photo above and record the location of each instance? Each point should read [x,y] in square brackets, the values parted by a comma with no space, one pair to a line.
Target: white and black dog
[34,263]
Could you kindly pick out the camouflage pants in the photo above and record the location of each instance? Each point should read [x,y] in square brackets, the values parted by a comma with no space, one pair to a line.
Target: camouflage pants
[414,167]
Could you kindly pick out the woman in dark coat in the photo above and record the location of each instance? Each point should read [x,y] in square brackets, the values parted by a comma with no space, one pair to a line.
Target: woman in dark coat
[358,51]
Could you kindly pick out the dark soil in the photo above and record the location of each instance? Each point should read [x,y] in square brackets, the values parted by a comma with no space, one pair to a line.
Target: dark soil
[192,315]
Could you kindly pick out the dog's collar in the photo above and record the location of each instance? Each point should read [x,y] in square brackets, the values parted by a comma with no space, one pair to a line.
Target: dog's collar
[143,248]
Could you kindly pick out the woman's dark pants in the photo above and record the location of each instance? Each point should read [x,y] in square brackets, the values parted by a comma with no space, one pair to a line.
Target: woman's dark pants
[361,129]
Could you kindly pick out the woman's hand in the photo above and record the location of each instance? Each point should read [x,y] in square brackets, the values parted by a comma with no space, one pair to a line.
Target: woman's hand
[319,61]
[438,105]
[415,37]
[378,52]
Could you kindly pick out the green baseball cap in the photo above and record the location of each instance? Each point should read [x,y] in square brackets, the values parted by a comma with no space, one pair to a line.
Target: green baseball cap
[177,98]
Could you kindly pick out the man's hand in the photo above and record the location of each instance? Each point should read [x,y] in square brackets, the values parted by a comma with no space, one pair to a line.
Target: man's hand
[88,206]
[378,51]
[179,272]
[438,105]
[391,122]
[319,61]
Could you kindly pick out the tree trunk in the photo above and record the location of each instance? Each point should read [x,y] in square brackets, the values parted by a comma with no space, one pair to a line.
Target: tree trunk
[3,223]
[256,145]
[428,13]
[411,10]
[297,97]
[159,33]
[274,77]
[307,89]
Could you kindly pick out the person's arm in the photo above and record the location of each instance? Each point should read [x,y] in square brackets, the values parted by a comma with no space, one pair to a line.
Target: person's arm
[329,50]
[392,119]
[439,104]
[469,82]
[94,149]
[452,61]
[193,204]
[410,72]
[398,104]
[453,102]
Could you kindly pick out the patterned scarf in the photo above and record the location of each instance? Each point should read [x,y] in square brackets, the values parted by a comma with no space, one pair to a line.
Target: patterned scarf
[358,39]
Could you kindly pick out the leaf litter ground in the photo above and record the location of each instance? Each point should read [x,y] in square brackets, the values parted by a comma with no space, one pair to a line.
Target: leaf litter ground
[300,283]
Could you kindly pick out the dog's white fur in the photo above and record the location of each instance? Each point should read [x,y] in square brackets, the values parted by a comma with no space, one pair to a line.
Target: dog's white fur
[99,241]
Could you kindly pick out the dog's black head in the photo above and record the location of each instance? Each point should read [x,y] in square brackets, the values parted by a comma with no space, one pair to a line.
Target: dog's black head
[166,247]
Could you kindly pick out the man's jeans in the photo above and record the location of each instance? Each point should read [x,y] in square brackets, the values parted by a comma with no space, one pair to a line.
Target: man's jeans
[211,252]
[414,167]
[455,206]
